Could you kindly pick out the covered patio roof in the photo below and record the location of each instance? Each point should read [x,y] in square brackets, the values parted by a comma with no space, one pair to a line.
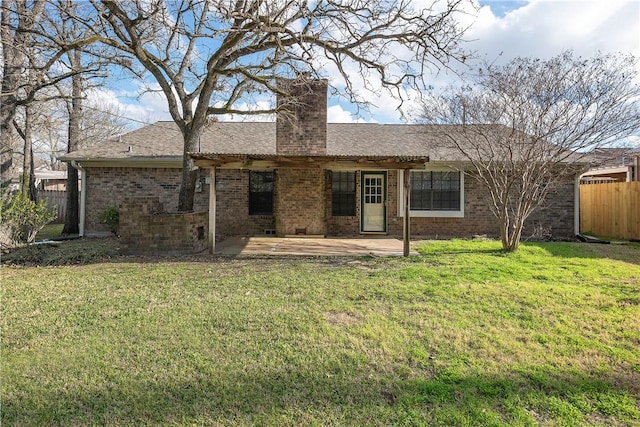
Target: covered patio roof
[261,161]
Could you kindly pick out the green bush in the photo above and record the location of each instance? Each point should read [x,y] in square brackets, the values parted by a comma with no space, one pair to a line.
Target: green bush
[111,217]
[22,219]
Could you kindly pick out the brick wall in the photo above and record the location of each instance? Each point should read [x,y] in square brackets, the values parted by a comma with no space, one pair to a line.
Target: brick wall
[232,207]
[300,201]
[107,187]
[302,128]
[303,200]
[145,227]
[555,220]
[477,219]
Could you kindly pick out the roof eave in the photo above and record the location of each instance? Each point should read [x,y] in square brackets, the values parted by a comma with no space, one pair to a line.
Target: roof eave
[261,161]
[129,162]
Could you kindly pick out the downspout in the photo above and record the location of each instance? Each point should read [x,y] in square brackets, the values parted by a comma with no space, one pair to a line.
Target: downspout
[83,195]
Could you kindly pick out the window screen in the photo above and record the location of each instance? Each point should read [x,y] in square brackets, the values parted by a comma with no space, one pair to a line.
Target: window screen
[435,191]
[343,193]
[261,192]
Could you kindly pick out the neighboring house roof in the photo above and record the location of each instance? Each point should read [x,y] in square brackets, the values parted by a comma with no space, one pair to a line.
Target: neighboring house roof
[612,156]
[51,175]
[162,141]
[46,174]
[613,164]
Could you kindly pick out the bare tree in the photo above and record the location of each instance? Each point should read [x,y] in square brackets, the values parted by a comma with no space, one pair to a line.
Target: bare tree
[527,126]
[50,140]
[209,56]
[50,126]
[33,43]
[17,18]
[101,122]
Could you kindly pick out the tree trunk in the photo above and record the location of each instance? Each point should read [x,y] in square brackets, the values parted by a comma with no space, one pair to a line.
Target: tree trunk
[6,141]
[27,180]
[33,193]
[14,42]
[511,235]
[189,171]
[71,220]
[8,100]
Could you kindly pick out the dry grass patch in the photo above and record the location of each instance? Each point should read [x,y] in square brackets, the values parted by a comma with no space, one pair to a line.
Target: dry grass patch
[341,318]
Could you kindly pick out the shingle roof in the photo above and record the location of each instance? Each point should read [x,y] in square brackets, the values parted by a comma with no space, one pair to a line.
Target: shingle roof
[612,156]
[163,141]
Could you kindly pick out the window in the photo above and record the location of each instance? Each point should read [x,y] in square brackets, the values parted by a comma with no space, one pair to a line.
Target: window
[343,193]
[437,193]
[261,192]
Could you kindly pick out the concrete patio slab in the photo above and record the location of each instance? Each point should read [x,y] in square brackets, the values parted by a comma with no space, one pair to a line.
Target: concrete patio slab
[252,246]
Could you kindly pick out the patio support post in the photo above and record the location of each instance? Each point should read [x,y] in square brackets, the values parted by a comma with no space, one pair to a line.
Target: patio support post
[406,231]
[212,210]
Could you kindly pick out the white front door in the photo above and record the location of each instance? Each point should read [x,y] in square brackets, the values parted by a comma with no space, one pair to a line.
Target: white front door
[374,201]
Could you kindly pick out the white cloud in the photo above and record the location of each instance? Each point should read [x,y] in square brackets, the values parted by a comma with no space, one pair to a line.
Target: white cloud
[138,108]
[337,114]
[543,28]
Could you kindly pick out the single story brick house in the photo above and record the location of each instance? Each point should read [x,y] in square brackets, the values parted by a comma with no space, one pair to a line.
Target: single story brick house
[298,175]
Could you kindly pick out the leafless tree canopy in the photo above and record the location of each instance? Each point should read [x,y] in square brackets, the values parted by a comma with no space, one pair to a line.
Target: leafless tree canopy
[35,39]
[529,125]
[215,56]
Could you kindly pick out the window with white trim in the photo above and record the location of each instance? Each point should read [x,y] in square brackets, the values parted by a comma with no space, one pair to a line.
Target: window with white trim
[434,193]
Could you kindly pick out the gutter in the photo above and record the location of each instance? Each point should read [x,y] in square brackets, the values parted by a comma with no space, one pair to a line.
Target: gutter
[170,162]
[83,195]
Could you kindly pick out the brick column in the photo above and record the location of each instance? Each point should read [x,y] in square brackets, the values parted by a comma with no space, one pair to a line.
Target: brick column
[300,201]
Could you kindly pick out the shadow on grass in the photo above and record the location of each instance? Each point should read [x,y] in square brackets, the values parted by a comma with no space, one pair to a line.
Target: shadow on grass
[98,250]
[314,398]
[460,246]
[626,252]
[58,253]
[434,252]
[106,250]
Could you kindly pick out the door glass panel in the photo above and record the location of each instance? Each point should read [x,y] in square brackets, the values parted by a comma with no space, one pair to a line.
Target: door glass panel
[373,209]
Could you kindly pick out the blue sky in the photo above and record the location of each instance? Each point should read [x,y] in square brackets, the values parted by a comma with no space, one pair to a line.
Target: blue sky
[501,7]
[498,30]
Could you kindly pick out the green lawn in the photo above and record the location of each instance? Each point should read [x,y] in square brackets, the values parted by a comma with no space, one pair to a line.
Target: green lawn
[460,335]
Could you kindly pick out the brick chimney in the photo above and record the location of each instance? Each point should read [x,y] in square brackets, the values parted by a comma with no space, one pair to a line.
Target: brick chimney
[301,127]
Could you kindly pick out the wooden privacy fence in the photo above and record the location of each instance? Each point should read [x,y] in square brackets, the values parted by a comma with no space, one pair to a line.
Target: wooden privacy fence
[57,201]
[611,210]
